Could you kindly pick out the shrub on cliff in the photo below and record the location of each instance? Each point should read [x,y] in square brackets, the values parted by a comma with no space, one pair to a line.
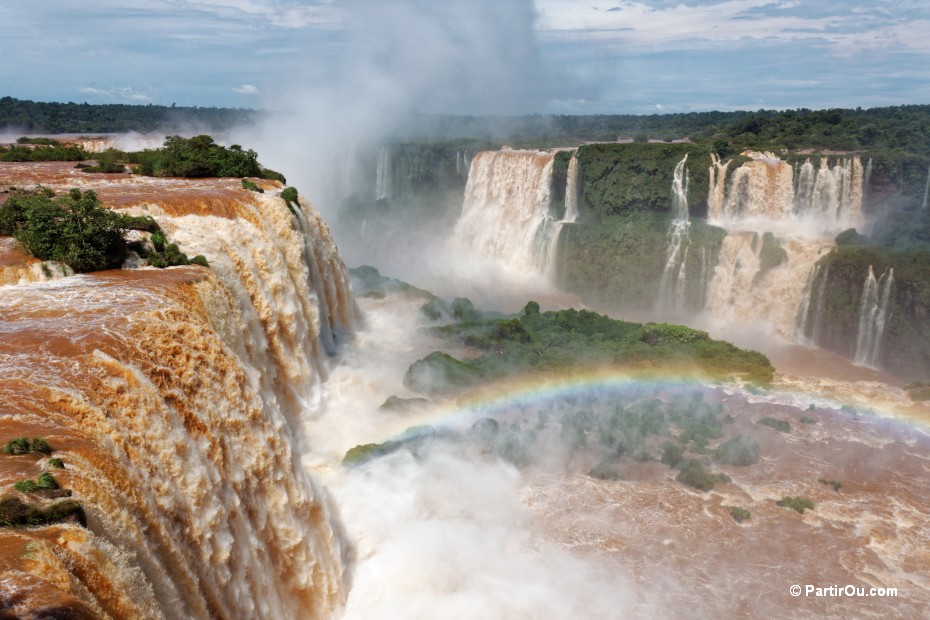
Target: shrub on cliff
[197,157]
[71,228]
[24,445]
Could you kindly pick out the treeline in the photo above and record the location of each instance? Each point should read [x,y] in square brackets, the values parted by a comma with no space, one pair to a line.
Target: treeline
[42,117]
[901,128]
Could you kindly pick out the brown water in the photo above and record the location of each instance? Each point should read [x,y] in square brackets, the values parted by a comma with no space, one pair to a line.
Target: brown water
[172,398]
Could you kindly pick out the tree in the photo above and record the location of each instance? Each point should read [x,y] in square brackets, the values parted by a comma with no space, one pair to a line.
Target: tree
[73,229]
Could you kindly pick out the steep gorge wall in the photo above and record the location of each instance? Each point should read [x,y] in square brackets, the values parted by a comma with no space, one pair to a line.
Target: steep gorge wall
[174,398]
[832,320]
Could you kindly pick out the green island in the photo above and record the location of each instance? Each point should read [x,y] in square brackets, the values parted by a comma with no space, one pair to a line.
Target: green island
[32,504]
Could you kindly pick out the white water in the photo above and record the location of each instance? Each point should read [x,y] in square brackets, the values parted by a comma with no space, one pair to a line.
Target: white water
[671,298]
[186,397]
[874,313]
[742,294]
[926,190]
[506,213]
[768,194]
[383,189]
[572,190]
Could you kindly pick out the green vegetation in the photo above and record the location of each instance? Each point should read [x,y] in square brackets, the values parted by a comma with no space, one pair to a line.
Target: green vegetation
[778,425]
[72,228]
[14,512]
[693,474]
[402,405]
[197,157]
[41,117]
[43,141]
[439,372]
[44,481]
[367,281]
[252,187]
[604,471]
[617,260]
[75,229]
[201,260]
[836,484]
[560,340]
[906,339]
[55,464]
[808,420]
[104,167]
[739,514]
[741,450]
[55,152]
[25,445]
[798,504]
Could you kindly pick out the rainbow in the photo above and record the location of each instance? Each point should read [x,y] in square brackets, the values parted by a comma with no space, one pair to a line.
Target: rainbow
[525,391]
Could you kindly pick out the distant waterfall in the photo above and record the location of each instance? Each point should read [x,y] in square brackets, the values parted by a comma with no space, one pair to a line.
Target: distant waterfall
[810,312]
[822,199]
[383,184]
[874,313]
[671,296]
[926,190]
[462,163]
[506,214]
[571,190]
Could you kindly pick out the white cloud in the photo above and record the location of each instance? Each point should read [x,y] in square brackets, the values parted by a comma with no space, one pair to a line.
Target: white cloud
[641,25]
[126,92]
[247,89]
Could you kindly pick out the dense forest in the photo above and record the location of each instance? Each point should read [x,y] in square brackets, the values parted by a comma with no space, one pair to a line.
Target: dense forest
[39,117]
[899,129]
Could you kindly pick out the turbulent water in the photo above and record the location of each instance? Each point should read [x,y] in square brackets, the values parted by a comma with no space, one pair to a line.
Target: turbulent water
[769,192]
[174,399]
[506,215]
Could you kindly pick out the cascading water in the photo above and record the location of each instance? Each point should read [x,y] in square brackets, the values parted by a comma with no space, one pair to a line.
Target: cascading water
[926,190]
[383,189]
[874,314]
[174,398]
[506,214]
[810,311]
[745,290]
[671,298]
[572,189]
[767,191]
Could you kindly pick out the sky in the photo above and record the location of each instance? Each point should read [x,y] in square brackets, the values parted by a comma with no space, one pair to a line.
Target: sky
[472,56]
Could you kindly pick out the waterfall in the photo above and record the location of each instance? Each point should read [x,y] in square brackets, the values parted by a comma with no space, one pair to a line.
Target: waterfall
[926,190]
[671,297]
[810,310]
[571,190]
[874,314]
[768,191]
[383,185]
[175,399]
[716,189]
[743,291]
[506,212]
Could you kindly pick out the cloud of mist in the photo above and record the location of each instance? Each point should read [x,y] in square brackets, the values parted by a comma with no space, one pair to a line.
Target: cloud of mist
[443,534]
[390,61]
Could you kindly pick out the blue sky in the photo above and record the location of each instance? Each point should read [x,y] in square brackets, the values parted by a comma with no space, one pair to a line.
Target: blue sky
[472,56]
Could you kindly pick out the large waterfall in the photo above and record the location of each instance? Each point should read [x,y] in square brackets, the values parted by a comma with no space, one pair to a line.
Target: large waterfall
[506,213]
[174,398]
[767,191]
[874,312]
